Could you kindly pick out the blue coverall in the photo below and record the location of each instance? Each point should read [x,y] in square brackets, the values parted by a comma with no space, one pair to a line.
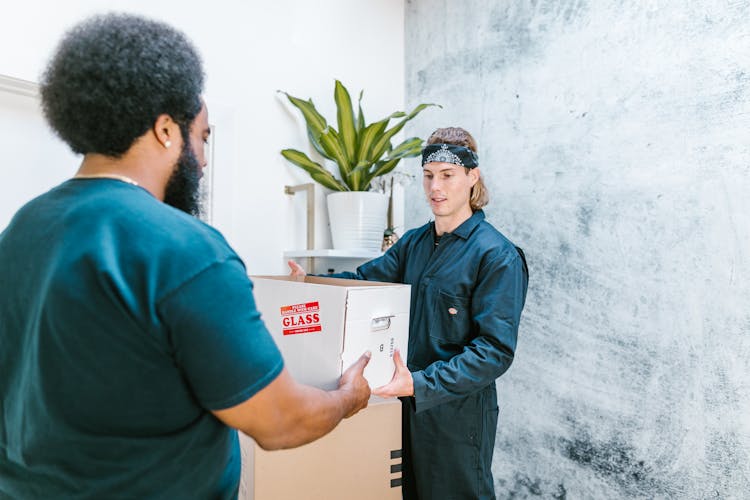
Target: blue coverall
[467,294]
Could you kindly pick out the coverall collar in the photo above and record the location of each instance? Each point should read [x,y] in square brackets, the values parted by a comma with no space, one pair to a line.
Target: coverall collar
[467,227]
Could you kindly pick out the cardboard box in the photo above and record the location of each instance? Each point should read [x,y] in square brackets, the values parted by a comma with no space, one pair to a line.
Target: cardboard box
[323,325]
[361,458]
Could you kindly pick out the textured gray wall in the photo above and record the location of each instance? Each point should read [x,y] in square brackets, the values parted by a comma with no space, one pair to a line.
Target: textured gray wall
[615,139]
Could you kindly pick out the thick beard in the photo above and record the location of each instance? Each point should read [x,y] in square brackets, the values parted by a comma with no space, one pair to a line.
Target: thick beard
[183,188]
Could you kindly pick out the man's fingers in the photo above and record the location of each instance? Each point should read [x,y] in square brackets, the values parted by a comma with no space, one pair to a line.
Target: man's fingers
[297,270]
[353,381]
[363,360]
[397,358]
[356,370]
[386,391]
[381,391]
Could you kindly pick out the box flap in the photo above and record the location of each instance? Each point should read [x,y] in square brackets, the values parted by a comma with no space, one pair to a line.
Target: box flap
[370,303]
[324,280]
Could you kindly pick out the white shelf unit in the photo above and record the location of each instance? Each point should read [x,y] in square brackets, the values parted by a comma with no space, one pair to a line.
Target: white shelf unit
[321,261]
[332,254]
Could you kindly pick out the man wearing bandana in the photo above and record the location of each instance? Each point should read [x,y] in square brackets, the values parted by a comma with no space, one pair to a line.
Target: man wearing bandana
[468,288]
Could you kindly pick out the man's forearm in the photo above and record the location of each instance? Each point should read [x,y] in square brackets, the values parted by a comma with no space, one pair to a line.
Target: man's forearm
[315,414]
[285,414]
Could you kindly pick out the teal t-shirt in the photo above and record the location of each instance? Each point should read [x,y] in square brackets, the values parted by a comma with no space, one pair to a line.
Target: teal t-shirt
[122,323]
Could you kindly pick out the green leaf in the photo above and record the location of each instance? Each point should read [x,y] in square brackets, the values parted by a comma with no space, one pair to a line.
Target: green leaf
[329,140]
[370,135]
[361,167]
[327,180]
[382,168]
[316,171]
[345,117]
[315,141]
[360,114]
[408,149]
[381,145]
[314,121]
[367,138]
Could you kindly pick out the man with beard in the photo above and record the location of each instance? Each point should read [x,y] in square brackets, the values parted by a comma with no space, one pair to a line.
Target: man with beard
[130,344]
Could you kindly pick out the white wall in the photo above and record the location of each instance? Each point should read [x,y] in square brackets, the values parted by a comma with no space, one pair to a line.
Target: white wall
[250,50]
[27,144]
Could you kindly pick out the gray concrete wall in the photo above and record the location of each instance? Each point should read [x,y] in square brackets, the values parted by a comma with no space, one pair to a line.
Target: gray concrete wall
[615,139]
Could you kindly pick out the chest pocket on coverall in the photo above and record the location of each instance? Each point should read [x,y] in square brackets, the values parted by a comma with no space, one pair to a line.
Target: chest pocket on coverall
[451,319]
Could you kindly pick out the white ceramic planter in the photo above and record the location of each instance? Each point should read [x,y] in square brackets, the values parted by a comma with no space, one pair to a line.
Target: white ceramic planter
[358,219]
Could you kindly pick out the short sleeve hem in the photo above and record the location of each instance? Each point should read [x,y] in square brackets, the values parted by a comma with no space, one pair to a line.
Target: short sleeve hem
[248,392]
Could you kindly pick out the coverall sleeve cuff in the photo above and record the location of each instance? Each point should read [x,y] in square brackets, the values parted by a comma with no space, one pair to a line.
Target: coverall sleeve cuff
[421,400]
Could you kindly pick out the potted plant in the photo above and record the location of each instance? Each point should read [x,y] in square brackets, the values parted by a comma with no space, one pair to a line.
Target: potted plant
[361,152]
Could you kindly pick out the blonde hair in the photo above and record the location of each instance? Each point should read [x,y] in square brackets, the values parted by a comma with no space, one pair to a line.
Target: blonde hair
[459,137]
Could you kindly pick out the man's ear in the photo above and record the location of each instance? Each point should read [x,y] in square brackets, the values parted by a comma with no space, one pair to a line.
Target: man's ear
[474,173]
[166,131]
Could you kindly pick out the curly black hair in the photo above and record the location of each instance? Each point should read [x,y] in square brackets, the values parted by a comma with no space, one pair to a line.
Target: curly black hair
[113,75]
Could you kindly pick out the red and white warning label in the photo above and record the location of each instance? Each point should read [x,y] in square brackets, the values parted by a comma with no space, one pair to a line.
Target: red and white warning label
[301,318]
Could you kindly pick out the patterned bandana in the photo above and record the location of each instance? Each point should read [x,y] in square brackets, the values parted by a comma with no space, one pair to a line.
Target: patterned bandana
[450,153]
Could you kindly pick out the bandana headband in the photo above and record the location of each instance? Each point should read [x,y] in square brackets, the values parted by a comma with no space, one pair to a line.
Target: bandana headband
[450,153]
